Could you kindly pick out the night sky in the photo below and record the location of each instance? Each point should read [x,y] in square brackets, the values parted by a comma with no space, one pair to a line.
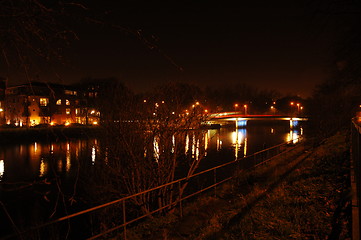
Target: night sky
[284,45]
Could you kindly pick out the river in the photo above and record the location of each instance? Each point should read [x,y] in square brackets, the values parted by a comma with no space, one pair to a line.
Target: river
[36,177]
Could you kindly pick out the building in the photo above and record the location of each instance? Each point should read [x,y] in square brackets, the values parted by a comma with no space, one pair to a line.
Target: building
[42,103]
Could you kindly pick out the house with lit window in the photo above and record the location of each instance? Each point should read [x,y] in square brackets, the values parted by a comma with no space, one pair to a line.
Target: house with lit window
[40,103]
[43,103]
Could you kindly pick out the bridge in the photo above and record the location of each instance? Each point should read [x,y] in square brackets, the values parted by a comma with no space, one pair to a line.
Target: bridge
[241,119]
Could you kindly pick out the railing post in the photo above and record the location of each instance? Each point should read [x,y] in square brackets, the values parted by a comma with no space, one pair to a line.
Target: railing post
[124,221]
[180,200]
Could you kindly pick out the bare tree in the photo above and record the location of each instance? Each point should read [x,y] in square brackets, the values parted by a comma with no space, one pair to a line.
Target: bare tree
[33,31]
[147,141]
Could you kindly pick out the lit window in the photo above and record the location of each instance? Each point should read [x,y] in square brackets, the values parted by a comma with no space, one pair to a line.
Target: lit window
[67,111]
[44,102]
[77,111]
[70,92]
[58,102]
[67,102]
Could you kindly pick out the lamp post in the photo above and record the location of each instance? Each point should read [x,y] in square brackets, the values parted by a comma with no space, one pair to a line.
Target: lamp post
[235,107]
[273,109]
[245,109]
[291,112]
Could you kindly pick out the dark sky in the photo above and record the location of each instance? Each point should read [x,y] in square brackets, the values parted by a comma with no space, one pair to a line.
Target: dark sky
[284,45]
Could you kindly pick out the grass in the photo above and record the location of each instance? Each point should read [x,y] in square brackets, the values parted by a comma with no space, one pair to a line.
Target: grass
[304,194]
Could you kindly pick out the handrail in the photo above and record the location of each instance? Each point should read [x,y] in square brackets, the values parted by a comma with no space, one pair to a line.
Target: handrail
[179,199]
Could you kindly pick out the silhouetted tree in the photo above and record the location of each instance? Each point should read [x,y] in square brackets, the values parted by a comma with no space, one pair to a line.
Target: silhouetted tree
[336,100]
[145,144]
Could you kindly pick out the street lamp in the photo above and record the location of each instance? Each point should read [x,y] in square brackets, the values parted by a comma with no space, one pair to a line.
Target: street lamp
[235,107]
[273,109]
[245,109]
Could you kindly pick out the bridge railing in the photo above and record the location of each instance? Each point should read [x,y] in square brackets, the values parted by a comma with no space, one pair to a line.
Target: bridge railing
[198,183]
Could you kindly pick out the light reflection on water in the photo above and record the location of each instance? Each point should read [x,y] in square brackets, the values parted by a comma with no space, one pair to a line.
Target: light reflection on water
[2,169]
[26,162]
[239,139]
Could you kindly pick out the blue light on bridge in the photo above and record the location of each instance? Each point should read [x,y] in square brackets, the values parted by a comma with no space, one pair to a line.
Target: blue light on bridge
[293,123]
[241,123]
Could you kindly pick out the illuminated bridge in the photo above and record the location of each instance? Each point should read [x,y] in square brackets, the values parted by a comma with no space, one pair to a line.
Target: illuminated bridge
[241,119]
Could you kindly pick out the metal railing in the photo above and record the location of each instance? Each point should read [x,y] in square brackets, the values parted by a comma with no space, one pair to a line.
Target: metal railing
[356,177]
[216,176]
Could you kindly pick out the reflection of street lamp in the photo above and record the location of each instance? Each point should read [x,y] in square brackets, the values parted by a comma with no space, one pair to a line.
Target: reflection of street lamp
[245,109]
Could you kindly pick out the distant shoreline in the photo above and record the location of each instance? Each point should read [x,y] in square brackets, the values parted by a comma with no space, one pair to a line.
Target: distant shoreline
[25,135]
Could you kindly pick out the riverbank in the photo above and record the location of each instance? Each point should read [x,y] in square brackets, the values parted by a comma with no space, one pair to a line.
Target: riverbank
[24,135]
[303,194]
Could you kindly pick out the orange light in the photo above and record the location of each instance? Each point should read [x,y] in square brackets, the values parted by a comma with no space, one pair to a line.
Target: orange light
[292,103]
[95,123]
[236,105]
[205,110]
[245,105]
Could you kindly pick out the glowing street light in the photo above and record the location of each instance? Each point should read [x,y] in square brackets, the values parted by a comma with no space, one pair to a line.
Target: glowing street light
[245,109]
[273,109]
[235,107]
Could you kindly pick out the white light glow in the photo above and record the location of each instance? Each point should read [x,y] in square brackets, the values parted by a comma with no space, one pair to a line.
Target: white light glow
[156,148]
[293,136]
[173,143]
[2,169]
[43,168]
[68,158]
[93,155]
